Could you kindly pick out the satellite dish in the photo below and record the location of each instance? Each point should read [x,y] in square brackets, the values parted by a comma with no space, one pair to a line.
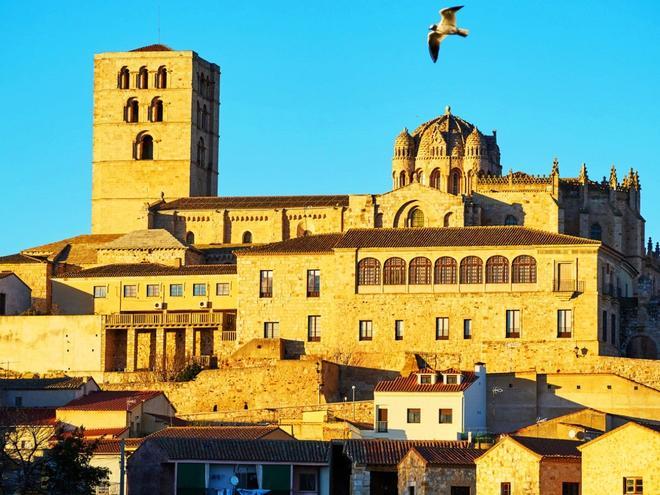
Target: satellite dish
[233,480]
[572,433]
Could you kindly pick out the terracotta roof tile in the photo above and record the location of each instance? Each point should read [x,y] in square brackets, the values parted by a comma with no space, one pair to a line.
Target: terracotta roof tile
[18,258]
[441,456]
[32,416]
[257,451]
[390,452]
[145,239]
[550,447]
[104,432]
[456,237]
[110,400]
[112,445]
[253,432]
[313,244]
[151,270]
[253,202]
[6,274]
[409,383]
[62,383]
[153,48]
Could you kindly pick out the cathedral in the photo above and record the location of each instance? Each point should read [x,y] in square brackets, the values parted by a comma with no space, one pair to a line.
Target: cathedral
[460,257]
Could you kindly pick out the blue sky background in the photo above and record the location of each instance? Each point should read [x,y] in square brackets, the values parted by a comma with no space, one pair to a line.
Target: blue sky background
[313,93]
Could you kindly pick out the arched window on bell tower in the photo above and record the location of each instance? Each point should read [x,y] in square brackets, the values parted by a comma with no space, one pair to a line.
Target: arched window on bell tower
[143,78]
[123,78]
[131,110]
[435,179]
[455,182]
[144,147]
[201,153]
[161,77]
[156,110]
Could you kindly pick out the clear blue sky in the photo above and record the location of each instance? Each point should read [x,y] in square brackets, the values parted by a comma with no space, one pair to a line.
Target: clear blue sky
[313,93]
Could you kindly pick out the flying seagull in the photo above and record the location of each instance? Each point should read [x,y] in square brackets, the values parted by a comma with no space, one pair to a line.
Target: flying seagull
[447,26]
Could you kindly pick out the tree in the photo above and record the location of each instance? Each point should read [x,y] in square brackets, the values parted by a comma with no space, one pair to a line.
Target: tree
[68,470]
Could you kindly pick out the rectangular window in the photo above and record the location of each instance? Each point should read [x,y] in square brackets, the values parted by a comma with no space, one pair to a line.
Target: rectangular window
[442,328]
[414,415]
[467,329]
[398,330]
[634,486]
[512,323]
[445,416]
[451,379]
[366,330]
[613,329]
[425,379]
[153,290]
[505,488]
[130,290]
[314,328]
[266,283]
[271,329]
[176,290]
[564,323]
[199,289]
[222,289]
[570,488]
[313,283]
[604,323]
[100,291]
[381,425]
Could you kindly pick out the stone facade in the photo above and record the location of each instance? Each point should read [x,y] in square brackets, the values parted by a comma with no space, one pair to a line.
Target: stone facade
[428,479]
[631,451]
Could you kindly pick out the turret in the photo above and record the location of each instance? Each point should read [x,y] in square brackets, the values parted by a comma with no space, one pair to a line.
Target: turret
[403,161]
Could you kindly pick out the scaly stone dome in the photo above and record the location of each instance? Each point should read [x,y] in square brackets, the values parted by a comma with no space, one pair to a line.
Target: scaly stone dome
[404,145]
[448,129]
[475,138]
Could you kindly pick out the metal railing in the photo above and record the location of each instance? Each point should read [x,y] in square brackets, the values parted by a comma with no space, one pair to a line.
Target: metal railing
[162,319]
[570,285]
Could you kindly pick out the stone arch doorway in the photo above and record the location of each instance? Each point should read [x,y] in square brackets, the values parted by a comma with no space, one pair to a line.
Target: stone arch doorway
[642,347]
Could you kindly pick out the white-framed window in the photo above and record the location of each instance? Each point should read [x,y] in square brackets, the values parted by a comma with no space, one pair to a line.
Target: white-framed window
[398,329]
[366,330]
[442,328]
[100,291]
[222,289]
[130,290]
[564,323]
[199,289]
[512,323]
[176,290]
[271,329]
[153,290]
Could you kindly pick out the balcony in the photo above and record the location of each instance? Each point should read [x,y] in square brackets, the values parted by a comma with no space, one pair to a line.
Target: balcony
[228,335]
[152,320]
[568,285]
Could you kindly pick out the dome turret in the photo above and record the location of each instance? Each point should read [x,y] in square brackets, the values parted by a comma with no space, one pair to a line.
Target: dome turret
[475,144]
[404,145]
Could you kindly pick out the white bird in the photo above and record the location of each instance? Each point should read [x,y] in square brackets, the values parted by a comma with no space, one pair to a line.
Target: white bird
[447,26]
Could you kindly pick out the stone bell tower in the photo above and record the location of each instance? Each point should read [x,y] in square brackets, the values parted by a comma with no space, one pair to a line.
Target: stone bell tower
[156,117]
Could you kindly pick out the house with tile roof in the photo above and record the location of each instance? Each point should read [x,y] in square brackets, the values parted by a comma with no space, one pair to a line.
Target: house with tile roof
[15,295]
[44,392]
[519,465]
[431,404]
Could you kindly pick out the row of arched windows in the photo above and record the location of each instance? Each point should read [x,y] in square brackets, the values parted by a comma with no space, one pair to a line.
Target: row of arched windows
[206,85]
[445,270]
[142,78]
[132,110]
[203,117]
[453,181]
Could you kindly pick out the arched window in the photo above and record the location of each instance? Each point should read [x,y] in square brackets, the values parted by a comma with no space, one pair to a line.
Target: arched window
[124,78]
[596,232]
[419,271]
[161,77]
[190,238]
[445,270]
[205,118]
[455,182]
[435,179]
[421,178]
[199,116]
[369,272]
[510,220]
[145,147]
[416,218]
[201,152]
[447,220]
[402,179]
[143,78]
[131,111]
[247,237]
[394,272]
[497,270]
[471,270]
[523,270]
[156,110]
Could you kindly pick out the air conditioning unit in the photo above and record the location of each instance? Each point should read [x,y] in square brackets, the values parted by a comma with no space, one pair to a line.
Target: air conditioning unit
[205,304]
[160,305]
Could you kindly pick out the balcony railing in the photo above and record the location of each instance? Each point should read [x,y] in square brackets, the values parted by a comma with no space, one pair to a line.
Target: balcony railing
[162,319]
[381,426]
[563,285]
[228,335]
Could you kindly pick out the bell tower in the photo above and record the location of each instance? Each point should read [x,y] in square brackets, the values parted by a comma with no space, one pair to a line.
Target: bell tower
[155,133]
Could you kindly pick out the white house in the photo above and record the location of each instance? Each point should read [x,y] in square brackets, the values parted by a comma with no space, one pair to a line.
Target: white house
[431,405]
[15,295]
[44,392]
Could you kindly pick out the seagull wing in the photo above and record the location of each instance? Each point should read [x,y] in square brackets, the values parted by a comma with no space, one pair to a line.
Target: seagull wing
[449,16]
[434,44]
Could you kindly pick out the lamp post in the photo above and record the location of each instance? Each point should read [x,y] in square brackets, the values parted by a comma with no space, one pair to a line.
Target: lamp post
[353,389]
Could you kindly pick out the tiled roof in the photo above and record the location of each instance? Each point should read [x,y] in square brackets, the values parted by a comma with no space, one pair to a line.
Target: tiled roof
[217,432]
[104,432]
[32,416]
[78,250]
[550,447]
[145,239]
[455,237]
[153,48]
[112,445]
[169,420]
[443,456]
[6,274]
[253,202]
[151,270]
[15,259]
[409,383]
[257,451]
[390,452]
[313,244]
[62,383]
[110,400]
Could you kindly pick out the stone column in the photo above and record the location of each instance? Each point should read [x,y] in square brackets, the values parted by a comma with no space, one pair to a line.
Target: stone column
[189,350]
[130,349]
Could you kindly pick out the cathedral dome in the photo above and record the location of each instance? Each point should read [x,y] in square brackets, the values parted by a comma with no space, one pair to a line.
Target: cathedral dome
[447,130]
